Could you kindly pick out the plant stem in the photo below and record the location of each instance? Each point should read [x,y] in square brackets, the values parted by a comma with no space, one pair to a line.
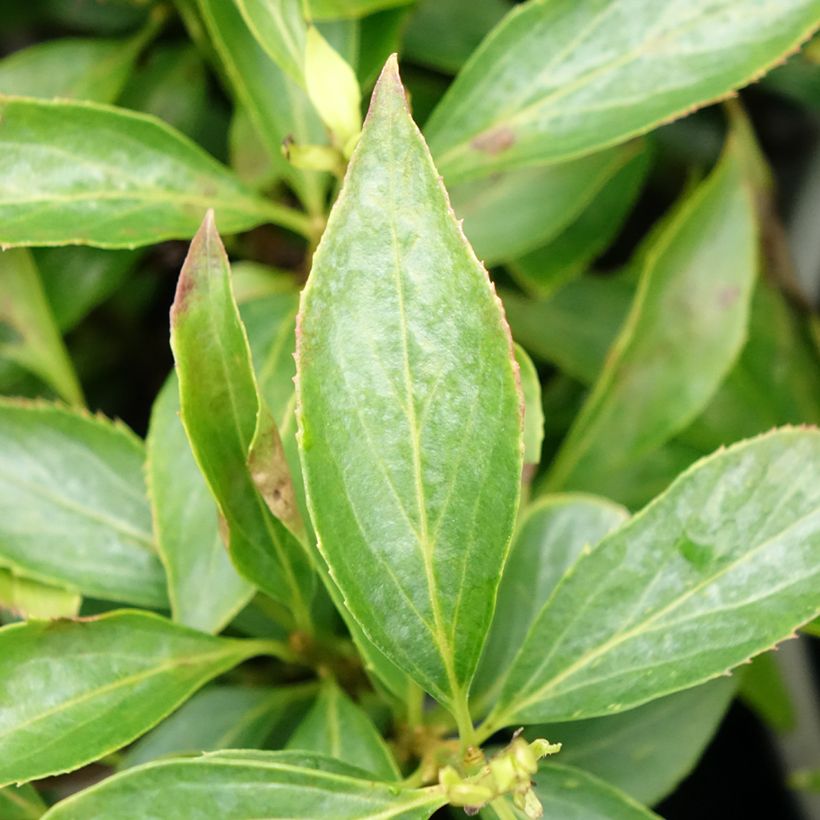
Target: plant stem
[466,730]
[502,809]
[288,217]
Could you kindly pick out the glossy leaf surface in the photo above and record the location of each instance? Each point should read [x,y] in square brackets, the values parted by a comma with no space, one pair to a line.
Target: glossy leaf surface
[215,371]
[337,727]
[73,508]
[247,785]
[204,589]
[557,80]
[405,377]
[684,331]
[111,178]
[718,568]
[74,691]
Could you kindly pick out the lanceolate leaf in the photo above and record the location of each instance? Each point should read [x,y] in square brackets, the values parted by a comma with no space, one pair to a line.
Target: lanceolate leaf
[249,785]
[557,80]
[409,412]
[28,331]
[338,728]
[719,568]
[73,509]
[112,178]
[32,599]
[204,588]
[73,691]
[220,409]
[280,29]
[684,332]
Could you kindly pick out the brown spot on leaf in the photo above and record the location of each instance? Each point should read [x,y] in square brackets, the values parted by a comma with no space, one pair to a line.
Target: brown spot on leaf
[496,141]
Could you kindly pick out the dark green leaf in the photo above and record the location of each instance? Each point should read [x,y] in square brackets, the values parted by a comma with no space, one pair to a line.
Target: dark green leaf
[764,690]
[21,803]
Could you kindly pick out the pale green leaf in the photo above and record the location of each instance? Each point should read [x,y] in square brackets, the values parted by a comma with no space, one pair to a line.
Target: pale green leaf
[719,568]
[562,78]
[341,9]
[533,413]
[225,717]
[204,589]
[28,331]
[32,599]
[220,409]
[410,417]
[337,727]
[246,786]
[551,535]
[647,751]
[73,508]
[74,691]
[112,178]
[280,29]
[683,333]
[21,803]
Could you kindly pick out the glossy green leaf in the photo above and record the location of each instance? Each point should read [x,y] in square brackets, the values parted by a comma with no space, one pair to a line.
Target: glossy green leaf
[719,568]
[21,803]
[571,794]
[225,717]
[647,751]
[204,589]
[246,786]
[551,535]
[557,80]
[73,509]
[220,410]
[566,256]
[442,34]
[684,332]
[337,727]
[510,214]
[115,179]
[395,402]
[280,29]
[764,690]
[533,413]
[277,107]
[340,9]
[32,599]
[28,332]
[74,691]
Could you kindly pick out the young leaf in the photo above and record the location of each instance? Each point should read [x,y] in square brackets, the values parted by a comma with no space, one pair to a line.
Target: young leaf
[533,412]
[89,687]
[247,785]
[31,599]
[647,751]
[604,79]
[225,717]
[204,589]
[552,533]
[683,334]
[21,803]
[335,726]
[117,179]
[719,568]
[406,377]
[28,331]
[221,409]
[73,510]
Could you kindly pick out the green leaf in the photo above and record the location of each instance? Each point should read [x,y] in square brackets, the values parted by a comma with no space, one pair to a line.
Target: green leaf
[719,568]
[341,9]
[806,779]
[647,751]
[566,256]
[204,588]
[221,408]
[335,726]
[280,29]
[410,425]
[31,599]
[112,178]
[551,535]
[73,509]
[92,686]
[277,107]
[246,786]
[764,690]
[512,213]
[572,794]
[533,413]
[225,717]
[28,331]
[21,803]
[612,70]
[683,333]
